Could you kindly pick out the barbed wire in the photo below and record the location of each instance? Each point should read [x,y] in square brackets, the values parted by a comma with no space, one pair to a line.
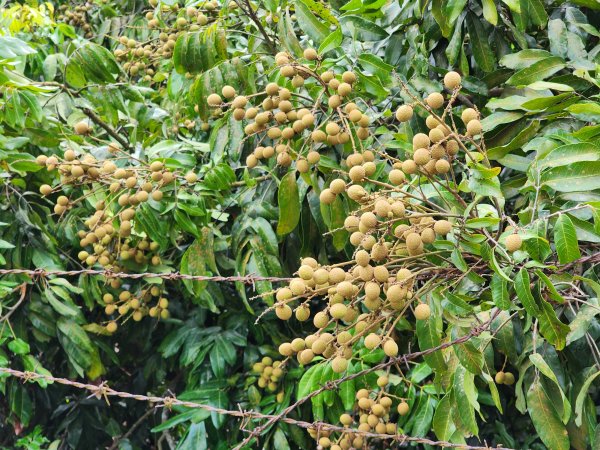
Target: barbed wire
[43,273]
[104,391]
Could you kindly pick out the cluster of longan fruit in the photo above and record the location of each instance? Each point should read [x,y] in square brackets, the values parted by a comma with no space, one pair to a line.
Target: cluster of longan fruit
[125,189]
[127,305]
[285,125]
[168,22]
[77,16]
[269,374]
[372,414]
[506,378]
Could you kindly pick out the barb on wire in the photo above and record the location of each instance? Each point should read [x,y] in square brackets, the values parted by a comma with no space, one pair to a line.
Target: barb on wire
[103,390]
[42,273]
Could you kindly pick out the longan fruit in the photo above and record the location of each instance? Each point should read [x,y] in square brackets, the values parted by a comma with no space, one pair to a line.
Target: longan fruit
[396,177]
[499,378]
[285,349]
[111,327]
[339,364]
[372,341]
[327,197]
[311,54]
[435,100]
[442,166]
[302,313]
[355,116]
[346,419]
[390,348]
[468,115]
[334,101]
[321,320]
[45,189]
[344,89]
[403,408]
[509,378]
[332,129]
[349,77]
[283,312]
[327,76]
[442,227]
[404,113]
[82,128]
[214,100]
[436,135]
[513,242]
[474,127]
[357,173]
[228,92]
[305,356]
[452,80]
[420,140]
[421,156]
[422,311]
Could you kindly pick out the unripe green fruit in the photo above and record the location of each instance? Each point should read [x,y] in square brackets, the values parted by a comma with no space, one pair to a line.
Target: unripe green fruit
[509,378]
[499,378]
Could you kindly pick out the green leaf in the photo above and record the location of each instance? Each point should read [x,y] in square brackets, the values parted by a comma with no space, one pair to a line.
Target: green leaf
[479,44]
[553,330]
[331,42]
[523,289]
[581,396]
[546,421]
[569,154]
[443,425]
[79,348]
[313,27]
[552,290]
[490,13]
[524,58]
[18,346]
[579,176]
[463,387]
[537,71]
[11,47]
[199,51]
[428,335]
[362,29]
[543,367]
[587,111]
[565,239]
[469,356]
[289,204]
[499,288]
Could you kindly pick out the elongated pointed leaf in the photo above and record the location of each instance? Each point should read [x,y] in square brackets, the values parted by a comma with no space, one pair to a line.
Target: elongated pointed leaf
[565,238]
